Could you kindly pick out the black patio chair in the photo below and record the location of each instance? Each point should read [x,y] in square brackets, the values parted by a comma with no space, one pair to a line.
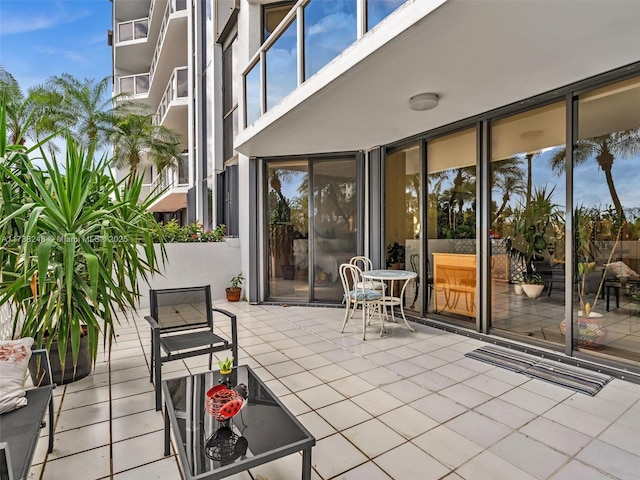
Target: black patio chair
[550,274]
[182,326]
[415,260]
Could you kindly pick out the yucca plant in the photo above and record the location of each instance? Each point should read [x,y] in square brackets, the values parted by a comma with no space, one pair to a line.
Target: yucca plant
[75,241]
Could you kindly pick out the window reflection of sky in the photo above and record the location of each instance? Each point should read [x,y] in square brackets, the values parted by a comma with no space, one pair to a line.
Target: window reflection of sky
[330,27]
[282,77]
[253,94]
[378,10]
[590,186]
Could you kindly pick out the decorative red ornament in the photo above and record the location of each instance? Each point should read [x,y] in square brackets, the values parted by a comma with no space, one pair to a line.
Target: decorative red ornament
[223,403]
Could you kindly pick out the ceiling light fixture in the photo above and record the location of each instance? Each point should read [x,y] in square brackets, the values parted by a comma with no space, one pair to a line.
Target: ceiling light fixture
[424,101]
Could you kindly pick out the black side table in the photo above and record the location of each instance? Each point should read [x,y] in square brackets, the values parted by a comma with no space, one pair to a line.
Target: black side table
[616,286]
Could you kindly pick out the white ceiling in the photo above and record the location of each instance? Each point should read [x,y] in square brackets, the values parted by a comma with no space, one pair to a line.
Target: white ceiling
[477,55]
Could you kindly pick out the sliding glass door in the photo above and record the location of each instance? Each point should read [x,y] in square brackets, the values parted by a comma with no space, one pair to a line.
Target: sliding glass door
[311,213]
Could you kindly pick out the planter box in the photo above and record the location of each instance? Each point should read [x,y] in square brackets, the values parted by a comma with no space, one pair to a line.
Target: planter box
[193,264]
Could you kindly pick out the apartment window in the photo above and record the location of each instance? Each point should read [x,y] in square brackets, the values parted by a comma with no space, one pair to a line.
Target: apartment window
[127,85]
[228,180]
[329,28]
[606,202]
[227,200]
[230,97]
[528,220]
[378,10]
[272,15]
[282,65]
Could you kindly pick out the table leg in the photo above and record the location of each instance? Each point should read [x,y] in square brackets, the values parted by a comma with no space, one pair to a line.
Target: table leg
[617,294]
[402,306]
[306,464]
[167,434]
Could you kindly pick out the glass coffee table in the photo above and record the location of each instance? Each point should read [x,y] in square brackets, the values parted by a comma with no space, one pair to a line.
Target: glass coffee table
[263,431]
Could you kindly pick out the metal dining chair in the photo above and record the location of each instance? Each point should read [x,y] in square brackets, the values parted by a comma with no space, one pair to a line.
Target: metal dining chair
[364,264]
[355,294]
[415,266]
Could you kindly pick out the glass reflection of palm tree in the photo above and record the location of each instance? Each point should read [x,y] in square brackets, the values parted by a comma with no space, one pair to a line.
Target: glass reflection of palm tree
[281,231]
[606,148]
[463,190]
[529,157]
[508,181]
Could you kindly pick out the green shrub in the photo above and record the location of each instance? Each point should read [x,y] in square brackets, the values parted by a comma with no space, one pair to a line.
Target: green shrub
[172,232]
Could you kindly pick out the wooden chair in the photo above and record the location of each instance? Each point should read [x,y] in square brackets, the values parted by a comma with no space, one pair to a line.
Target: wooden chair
[356,295]
[182,326]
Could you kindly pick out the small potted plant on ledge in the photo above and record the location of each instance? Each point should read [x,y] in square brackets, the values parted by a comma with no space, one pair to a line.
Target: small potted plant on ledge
[234,291]
[395,256]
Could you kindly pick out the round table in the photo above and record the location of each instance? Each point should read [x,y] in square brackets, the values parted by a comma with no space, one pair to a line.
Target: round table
[390,300]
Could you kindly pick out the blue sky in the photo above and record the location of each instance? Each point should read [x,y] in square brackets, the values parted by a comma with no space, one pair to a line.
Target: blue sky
[42,38]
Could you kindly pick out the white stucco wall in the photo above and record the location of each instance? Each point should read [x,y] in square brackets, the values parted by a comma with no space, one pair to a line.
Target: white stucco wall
[193,264]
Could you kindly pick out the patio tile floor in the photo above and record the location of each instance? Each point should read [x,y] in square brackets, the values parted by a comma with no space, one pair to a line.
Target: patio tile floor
[407,405]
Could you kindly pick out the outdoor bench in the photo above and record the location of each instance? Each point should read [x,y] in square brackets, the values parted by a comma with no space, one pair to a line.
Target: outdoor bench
[20,428]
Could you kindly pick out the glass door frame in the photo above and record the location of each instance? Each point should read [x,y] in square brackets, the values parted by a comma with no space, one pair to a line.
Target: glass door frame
[358,157]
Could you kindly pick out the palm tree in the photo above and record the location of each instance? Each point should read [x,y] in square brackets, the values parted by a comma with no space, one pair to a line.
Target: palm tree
[86,107]
[31,116]
[463,189]
[606,148]
[508,180]
[134,135]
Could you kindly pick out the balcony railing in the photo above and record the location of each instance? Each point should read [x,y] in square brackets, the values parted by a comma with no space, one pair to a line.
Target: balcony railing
[170,177]
[134,85]
[178,87]
[298,48]
[133,30]
[172,7]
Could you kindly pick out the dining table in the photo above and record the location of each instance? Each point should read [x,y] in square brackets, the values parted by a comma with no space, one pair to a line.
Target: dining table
[389,299]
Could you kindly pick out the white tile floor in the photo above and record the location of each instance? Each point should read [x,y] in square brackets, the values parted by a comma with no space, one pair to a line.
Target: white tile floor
[405,406]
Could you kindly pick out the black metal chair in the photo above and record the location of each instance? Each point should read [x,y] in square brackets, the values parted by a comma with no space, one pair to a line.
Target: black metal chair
[182,326]
[550,274]
[415,260]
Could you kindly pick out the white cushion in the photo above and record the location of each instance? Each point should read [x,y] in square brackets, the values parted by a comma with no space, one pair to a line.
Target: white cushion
[367,295]
[370,285]
[14,360]
[621,269]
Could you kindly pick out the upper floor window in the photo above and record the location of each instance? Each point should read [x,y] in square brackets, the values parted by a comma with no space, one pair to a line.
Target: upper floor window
[329,28]
[272,16]
[378,10]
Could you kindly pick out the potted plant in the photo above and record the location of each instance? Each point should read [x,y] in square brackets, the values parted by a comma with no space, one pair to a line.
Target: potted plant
[226,365]
[529,235]
[74,241]
[533,285]
[591,332]
[395,256]
[234,291]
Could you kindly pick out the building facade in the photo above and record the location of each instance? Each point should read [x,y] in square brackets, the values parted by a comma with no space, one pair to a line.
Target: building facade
[481,144]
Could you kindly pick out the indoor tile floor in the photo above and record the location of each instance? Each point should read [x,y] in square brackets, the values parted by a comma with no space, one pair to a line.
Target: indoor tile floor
[404,406]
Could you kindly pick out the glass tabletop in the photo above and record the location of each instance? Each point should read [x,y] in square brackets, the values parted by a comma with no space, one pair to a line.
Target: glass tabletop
[261,431]
[389,274]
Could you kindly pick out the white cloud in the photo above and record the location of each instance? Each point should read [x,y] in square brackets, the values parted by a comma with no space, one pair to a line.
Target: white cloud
[336,22]
[71,55]
[14,23]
